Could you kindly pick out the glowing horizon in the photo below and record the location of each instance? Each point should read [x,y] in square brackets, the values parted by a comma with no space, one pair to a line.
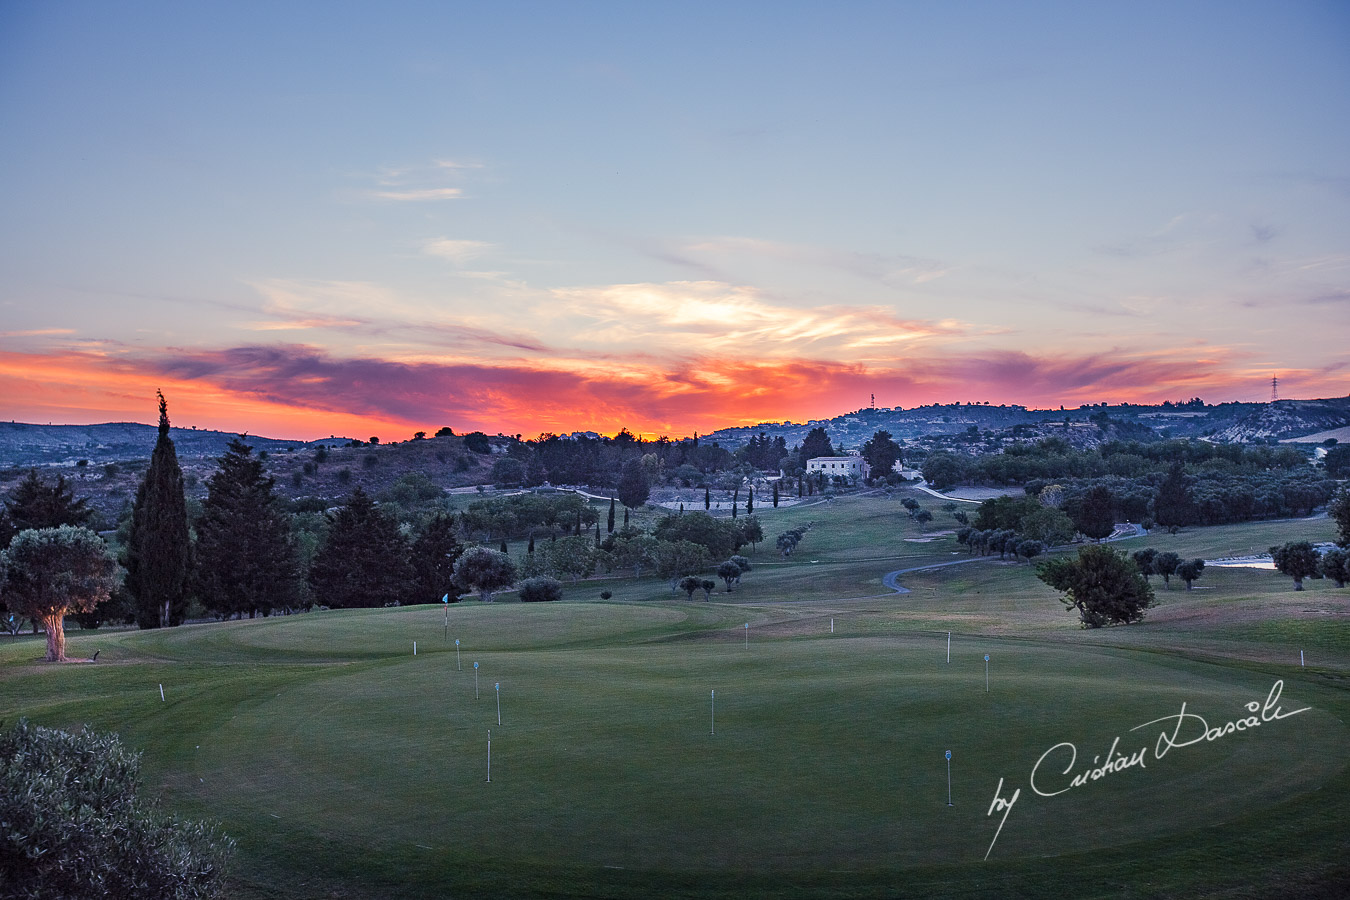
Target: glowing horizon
[128,394]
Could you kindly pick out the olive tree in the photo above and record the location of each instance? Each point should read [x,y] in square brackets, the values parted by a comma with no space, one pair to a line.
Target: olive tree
[1190,570]
[74,826]
[485,571]
[1298,560]
[1102,584]
[1335,565]
[48,573]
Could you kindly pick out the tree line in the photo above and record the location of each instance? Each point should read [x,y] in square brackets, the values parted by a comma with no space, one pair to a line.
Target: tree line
[248,554]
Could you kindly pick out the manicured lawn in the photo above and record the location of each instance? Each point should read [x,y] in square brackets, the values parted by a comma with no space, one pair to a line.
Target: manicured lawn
[346,766]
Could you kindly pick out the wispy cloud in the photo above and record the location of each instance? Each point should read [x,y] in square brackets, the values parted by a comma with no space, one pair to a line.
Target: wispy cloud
[421,182]
[37,332]
[891,269]
[711,317]
[440,193]
[457,251]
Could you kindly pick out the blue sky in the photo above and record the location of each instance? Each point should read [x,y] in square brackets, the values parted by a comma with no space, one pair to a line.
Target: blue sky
[546,217]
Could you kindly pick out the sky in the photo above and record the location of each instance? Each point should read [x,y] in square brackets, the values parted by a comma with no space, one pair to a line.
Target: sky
[358,219]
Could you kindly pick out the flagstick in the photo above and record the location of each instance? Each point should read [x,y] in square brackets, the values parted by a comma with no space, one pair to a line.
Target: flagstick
[489,772]
[949,646]
[949,778]
[712,712]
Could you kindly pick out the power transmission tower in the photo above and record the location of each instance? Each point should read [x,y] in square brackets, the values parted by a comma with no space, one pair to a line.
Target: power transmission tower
[1274,389]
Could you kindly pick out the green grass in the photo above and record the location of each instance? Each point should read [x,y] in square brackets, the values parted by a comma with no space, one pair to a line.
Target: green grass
[345,766]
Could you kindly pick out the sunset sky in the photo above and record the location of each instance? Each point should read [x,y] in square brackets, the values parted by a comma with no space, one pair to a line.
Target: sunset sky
[304,219]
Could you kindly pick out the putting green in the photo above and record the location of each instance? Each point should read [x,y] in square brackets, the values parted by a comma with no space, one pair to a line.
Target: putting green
[336,756]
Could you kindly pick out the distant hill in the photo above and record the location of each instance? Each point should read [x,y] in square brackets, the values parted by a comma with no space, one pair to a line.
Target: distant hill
[1287,420]
[1224,423]
[66,445]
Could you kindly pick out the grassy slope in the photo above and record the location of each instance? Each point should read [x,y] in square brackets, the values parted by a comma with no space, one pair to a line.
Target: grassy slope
[347,767]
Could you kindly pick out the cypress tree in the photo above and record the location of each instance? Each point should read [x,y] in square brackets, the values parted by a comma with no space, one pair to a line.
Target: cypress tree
[1173,506]
[750,502]
[246,559]
[530,549]
[158,549]
[625,517]
[707,498]
[735,502]
[611,515]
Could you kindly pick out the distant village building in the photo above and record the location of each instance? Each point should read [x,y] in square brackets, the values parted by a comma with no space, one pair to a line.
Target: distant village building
[848,466]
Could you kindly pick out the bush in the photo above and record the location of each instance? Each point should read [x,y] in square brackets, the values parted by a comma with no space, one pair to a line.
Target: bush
[540,589]
[74,827]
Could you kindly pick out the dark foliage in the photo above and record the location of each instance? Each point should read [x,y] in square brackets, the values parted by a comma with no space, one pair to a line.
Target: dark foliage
[364,562]
[1298,560]
[634,485]
[75,827]
[158,552]
[36,504]
[540,589]
[1102,584]
[433,555]
[716,535]
[245,561]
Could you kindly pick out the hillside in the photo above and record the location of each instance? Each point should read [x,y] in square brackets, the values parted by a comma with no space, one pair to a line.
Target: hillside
[65,445]
[1224,423]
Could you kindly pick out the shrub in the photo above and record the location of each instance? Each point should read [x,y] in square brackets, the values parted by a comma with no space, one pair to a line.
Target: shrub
[75,828]
[540,589]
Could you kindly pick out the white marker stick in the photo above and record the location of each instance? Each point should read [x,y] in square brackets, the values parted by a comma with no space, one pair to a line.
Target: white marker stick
[712,712]
[161,693]
[949,646]
[489,772]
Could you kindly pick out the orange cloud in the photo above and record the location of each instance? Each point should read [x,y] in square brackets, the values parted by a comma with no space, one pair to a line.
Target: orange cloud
[303,392]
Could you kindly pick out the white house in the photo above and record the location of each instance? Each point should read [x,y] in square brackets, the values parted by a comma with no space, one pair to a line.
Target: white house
[848,466]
